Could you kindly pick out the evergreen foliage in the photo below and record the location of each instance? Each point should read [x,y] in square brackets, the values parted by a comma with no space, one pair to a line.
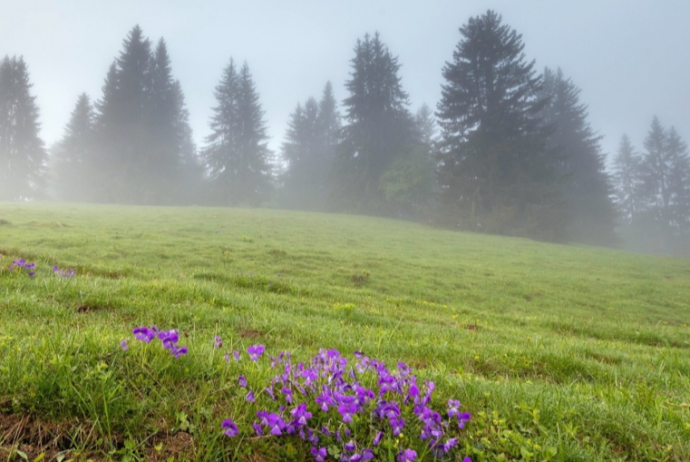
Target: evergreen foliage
[409,183]
[236,154]
[141,132]
[665,174]
[378,130]
[309,148]
[22,152]
[496,172]
[627,180]
[73,154]
[586,188]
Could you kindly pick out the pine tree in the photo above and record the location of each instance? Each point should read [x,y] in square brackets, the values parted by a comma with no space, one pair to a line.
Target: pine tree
[309,149]
[378,128]
[301,149]
[73,154]
[236,154]
[665,172]
[586,187]
[22,152]
[142,135]
[426,126]
[679,186]
[626,175]
[496,172]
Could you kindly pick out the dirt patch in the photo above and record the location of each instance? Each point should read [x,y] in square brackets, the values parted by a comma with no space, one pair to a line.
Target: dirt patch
[181,446]
[34,437]
[250,333]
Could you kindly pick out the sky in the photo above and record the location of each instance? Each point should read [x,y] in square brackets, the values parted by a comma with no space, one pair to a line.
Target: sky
[630,58]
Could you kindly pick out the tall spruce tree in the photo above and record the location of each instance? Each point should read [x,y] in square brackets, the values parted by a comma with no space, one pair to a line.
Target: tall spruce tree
[141,127]
[378,128]
[626,176]
[236,153]
[586,187]
[496,172]
[665,172]
[73,154]
[309,148]
[22,152]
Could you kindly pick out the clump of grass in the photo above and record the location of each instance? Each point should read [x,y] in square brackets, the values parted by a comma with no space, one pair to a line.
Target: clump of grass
[360,277]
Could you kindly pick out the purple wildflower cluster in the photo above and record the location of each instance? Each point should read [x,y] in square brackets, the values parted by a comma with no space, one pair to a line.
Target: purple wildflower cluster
[337,395]
[168,338]
[63,273]
[22,265]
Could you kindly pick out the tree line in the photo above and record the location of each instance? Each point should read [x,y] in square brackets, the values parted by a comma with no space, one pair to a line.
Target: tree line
[508,150]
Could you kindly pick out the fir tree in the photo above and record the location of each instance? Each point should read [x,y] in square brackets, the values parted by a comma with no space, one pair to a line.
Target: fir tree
[22,152]
[496,172]
[586,187]
[309,148]
[378,128]
[665,172]
[74,154]
[626,175]
[141,131]
[236,154]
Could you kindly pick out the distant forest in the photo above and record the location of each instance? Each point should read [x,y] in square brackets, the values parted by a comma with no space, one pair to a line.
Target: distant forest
[507,150]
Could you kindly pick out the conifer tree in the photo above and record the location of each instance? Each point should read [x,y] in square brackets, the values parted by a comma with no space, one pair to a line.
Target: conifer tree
[496,172]
[141,129]
[309,148]
[665,172]
[236,153]
[586,188]
[22,152]
[74,153]
[378,128]
[626,175]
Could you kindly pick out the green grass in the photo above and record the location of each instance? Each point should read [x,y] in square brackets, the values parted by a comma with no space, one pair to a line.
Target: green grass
[560,353]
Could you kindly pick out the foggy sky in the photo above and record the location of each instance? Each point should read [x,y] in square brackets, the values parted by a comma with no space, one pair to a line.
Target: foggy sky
[631,58]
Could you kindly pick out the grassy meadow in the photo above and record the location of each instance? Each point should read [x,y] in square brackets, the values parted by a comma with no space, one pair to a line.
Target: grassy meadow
[560,353]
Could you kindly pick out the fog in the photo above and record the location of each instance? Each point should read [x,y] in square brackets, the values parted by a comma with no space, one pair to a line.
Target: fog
[629,57]
[624,61]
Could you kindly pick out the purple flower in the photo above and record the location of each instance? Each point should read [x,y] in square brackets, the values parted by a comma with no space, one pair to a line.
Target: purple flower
[377,439]
[300,414]
[250,397]
[319,453]
[397,423]
[31,274]
[273,421]
[219,342]
[467,459]
[123,344]
[236,354]
[231,429]
[169,338]
[408,455]
[56,269]
[347,411]
[144,333]
[178,351]
[255,352]
[242,380]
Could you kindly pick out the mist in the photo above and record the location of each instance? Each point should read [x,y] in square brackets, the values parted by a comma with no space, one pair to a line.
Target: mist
[168,105]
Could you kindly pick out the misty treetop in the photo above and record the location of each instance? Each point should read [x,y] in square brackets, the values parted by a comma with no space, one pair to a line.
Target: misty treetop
[585,187]
[378,128]
[496,172]
[237,155]
[22,152]
[653,191]
[309,149]
[141,136]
